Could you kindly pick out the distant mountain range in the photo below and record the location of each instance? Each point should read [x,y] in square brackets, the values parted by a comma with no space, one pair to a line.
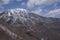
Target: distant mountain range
[29,26]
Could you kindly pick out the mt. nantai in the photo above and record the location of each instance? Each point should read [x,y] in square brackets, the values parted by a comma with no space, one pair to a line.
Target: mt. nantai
[20,24]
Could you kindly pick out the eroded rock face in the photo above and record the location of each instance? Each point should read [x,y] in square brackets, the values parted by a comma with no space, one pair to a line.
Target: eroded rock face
[29,26]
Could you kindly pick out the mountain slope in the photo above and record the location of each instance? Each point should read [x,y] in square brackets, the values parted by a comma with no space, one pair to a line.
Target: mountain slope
[30,26]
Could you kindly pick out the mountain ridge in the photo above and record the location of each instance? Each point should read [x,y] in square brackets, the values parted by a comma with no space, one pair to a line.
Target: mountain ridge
[31,26]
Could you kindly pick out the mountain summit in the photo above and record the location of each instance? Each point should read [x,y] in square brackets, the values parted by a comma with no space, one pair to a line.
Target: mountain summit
[20,17]
[12,15]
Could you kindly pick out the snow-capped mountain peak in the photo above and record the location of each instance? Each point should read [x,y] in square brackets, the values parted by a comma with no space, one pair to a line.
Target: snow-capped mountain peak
[20,16]
[18,10]
[14,14]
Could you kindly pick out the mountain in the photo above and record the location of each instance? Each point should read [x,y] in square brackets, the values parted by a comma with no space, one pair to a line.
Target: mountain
[20,24]
[18,16]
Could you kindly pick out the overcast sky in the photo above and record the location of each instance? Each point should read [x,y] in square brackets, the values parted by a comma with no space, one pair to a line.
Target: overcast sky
[40,7]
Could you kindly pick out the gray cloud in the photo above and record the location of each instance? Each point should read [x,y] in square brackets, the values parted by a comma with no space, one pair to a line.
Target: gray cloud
[32,3]
[18,0]
[53,13]
[5,1]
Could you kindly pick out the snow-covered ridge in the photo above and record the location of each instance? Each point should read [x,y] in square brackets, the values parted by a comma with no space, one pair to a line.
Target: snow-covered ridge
[17,10]
[14,14]
[20,17]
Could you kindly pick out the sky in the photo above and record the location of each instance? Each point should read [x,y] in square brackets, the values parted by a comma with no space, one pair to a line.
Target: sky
[48,8]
